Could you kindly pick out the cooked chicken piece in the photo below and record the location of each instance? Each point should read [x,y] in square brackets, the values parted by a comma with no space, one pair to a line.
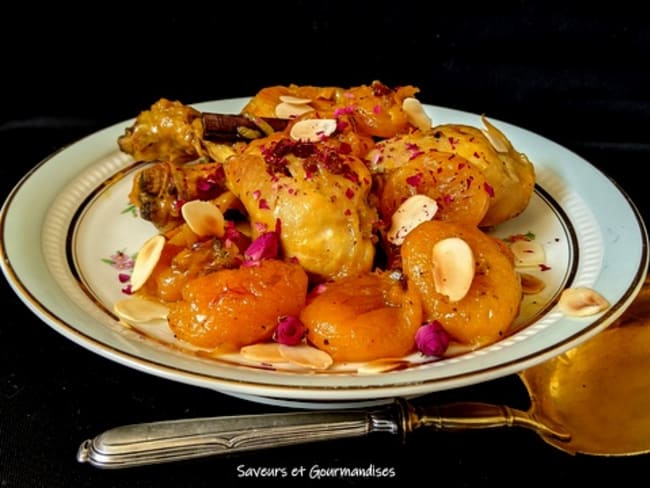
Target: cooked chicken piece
[319,196]
[160,189]
[168,130]
[509,175]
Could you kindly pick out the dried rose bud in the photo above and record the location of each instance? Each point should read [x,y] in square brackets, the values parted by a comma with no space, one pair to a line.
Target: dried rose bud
[290,330]
[432,339]
[266,246]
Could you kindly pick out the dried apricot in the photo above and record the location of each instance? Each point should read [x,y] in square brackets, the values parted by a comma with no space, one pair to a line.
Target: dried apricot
[231,308]
[181,262]
[455,184]
[484,314]
[377,108]
[365,317]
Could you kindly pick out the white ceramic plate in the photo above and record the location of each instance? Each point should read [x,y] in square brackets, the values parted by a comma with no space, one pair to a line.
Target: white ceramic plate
[62,221]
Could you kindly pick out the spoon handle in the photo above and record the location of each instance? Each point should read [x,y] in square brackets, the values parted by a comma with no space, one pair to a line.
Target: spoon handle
[476,415]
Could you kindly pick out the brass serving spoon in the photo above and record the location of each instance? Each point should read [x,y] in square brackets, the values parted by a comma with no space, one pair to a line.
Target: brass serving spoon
[599,391]
[593,399]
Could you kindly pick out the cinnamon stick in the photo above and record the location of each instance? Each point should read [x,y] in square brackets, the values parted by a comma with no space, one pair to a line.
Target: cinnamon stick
[228,127]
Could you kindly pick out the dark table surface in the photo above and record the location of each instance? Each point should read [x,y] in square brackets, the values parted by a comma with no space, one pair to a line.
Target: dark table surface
[577,77]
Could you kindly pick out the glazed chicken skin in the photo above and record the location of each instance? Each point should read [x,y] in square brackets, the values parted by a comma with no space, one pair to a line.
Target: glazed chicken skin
[319,196]
[509,175]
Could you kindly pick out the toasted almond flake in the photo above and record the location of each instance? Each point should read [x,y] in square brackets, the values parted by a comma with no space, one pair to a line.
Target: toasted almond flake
[146,261]
[306,356]
[204,218]
[159,331]
[453,267]
[138,309]
[411,213]
[312,130]
[416,114]
[581,302]
[528,253]
[381,365]
[456,349]
[265,352]
[531,284]
[290,110]
[294,100]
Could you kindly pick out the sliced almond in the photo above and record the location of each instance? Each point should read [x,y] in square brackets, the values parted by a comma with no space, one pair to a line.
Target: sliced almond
[138,309]
[456,349]
[306,356]
[285,110]
[159,331]
[204,218]
[581,302]
[294,100]
[312,130]
[453,267]
[146,261]
[265,352]
[416,114]
[528,253]
[381,365]
[530,284]
[411,213]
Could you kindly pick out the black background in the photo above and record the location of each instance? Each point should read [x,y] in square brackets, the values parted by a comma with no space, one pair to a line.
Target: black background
[575,73]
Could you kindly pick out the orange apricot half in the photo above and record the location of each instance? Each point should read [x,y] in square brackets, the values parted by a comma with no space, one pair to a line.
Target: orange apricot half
[485,312]
[232,308]
[364,317]
[450,180]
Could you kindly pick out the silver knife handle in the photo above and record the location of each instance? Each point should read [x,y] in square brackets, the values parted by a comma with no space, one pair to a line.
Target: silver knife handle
[175,440]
